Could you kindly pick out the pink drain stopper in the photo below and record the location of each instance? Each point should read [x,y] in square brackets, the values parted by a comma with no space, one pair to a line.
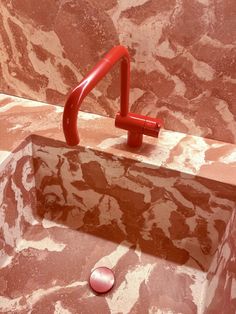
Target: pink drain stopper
[102,279]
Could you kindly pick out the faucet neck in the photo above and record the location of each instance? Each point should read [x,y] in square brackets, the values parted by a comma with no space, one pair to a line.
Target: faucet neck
[76,97]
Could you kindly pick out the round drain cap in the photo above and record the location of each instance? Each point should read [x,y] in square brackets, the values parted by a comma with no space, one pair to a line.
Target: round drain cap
[102,279]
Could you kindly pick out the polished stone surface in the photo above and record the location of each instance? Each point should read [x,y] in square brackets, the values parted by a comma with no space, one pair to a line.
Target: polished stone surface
[161,217]
[183,57]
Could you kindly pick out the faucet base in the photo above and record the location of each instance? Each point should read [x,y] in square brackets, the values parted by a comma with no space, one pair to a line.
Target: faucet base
[135,139]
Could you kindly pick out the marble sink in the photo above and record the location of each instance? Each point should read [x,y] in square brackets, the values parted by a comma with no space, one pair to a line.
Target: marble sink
[167,235]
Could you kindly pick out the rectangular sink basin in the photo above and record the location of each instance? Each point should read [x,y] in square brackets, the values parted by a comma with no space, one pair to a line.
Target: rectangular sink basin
[166,235]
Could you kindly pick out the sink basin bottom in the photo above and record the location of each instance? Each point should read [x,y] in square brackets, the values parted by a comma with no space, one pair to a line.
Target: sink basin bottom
[51,268]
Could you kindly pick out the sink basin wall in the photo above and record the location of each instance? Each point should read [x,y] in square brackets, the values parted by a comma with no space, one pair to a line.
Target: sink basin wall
[17,199]
[183,215]
[170,237]
[221,278]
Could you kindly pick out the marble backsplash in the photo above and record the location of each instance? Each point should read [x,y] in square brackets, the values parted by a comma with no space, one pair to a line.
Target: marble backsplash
[183,56]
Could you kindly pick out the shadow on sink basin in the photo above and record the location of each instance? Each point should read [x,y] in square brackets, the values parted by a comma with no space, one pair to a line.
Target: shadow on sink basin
[78,208]
[166,213]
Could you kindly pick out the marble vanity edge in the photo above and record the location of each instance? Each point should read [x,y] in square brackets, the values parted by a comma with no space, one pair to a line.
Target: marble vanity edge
[190,155]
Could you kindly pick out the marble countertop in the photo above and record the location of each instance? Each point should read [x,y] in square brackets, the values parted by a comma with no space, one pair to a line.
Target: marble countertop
[20,118]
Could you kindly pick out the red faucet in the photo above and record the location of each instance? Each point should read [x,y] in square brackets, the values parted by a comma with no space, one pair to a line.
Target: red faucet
[135,124]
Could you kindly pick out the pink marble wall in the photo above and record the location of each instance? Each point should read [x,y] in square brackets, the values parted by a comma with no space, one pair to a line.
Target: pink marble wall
[183,57]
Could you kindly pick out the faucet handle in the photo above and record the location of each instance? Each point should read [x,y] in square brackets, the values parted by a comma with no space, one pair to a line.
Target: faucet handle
[138,125]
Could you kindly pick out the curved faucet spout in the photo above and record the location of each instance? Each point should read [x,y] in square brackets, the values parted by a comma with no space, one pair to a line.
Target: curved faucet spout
[76,97]
[135,124]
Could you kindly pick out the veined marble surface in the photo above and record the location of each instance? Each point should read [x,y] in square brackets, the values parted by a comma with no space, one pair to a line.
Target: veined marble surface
[183,56]
[188,154]
[162,217]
